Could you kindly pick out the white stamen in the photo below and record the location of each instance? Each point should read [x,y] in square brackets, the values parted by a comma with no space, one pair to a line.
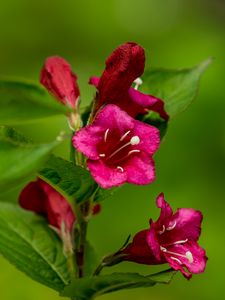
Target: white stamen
[133,151]
[137,82]
[106,134]
[135,140]
[176,259]
[177,243]
[120,168]
[189,257]
[171,227]
[180,242]
[118,150]
[163,230]
[102,154]
[125,134]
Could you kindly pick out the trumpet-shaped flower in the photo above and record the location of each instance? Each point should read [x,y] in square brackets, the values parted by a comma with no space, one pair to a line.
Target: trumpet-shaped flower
[123,68]
[171,239]
[119,148]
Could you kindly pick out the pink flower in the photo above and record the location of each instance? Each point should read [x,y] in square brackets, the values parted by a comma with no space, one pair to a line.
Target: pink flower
[38,196]
[60,81]
[171,239]
[119,148]
[123,67]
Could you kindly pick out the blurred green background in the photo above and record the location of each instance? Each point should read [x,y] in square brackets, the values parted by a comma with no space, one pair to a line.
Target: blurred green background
[191,161]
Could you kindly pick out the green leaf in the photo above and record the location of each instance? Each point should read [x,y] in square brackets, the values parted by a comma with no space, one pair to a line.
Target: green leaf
[74,182]
[29,244]
[154,119]
[91,259]
[89,288]
[177,88]
[23,101]
[19,159]
[103,194]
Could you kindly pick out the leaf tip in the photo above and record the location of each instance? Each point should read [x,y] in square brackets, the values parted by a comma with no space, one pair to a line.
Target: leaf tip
[204,64]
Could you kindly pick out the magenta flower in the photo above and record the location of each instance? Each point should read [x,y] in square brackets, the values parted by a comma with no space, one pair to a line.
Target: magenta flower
[123,67]
[119,148]
[60,81]
[38,196]
[171,239]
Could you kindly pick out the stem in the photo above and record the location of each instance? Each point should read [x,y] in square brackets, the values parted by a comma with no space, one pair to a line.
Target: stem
[83,211]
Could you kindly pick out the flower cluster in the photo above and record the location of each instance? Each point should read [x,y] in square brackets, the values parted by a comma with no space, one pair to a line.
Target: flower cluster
[116,148]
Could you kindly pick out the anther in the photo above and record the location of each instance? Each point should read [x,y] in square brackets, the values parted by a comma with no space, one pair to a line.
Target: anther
[106,134]
[135,140]
[137,82]
[189,256]
[102,154]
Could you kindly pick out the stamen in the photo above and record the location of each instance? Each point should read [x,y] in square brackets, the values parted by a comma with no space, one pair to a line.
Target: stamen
[163,230]
[188,255]
[176,259]
[171,227]
[135,140]
[125,134]
[180,242]
[118,150]
[177,243]
[133,151]
[120,168]
[137,82]
[106,134]
[102,154]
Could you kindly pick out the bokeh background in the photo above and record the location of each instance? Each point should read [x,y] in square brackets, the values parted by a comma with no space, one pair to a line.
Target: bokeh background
[191,161]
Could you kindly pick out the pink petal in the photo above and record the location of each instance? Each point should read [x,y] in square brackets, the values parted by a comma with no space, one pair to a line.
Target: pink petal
[195,261]
[140,169]
[149,102]
[187,223]
[87,139]
[59,80]
[112,117]
[105,176]
[166,211]
[149,137]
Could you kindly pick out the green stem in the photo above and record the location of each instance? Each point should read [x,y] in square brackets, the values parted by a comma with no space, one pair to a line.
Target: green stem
[83,211]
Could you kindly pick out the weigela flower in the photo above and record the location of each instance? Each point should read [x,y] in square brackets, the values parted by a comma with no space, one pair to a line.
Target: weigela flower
[39,197]
[60,81]
[171,239]
[123,67]
[119,148]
